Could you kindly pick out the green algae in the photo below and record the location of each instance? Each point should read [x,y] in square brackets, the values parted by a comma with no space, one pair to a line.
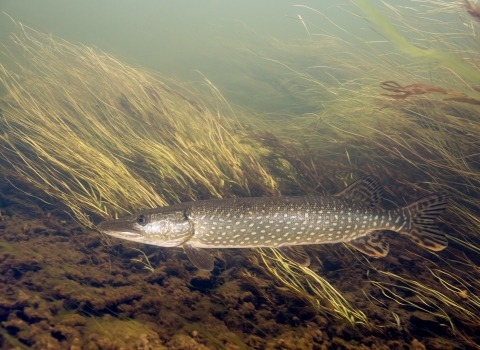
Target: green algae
[376,16]
[9,248]
[12,340]
[213,336]
[124,332]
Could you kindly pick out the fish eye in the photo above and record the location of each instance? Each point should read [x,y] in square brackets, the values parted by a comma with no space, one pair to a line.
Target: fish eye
[142,220]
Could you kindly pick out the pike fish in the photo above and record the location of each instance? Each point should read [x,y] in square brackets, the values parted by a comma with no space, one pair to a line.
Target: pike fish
[351,216]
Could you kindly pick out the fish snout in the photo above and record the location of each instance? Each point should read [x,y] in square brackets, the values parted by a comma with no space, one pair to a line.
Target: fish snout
[119,228]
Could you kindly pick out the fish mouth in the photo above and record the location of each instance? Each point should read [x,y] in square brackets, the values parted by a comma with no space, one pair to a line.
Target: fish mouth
[118,229]
[122,234]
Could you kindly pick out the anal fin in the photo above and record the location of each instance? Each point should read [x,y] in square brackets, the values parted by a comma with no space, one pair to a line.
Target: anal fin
[202,259]
[428,236]
[373,244]
[296,253]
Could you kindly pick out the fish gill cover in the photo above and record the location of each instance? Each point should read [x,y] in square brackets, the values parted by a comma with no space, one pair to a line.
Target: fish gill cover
[108,139]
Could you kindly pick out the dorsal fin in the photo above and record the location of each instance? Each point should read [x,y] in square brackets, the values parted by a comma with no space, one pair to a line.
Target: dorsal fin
[296,253]
[366,190]
[373,244]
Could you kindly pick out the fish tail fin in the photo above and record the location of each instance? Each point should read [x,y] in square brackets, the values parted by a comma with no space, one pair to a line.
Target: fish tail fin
[422,229]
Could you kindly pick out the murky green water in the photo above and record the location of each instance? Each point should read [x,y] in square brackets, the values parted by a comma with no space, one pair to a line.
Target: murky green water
[183,38]
[329,96]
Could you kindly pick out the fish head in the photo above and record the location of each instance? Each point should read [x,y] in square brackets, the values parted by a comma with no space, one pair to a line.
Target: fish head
[162,227]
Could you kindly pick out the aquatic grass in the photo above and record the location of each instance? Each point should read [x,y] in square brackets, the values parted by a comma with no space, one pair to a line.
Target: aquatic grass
[311,286]
[108,139]
[430,299]
[133,141]
[417,145]
[428,55]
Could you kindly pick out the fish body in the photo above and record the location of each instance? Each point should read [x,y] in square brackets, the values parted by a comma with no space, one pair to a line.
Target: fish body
[285,223]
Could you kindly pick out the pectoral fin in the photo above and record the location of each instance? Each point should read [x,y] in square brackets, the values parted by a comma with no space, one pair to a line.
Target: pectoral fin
[296,253]
[373,245]
[202,259]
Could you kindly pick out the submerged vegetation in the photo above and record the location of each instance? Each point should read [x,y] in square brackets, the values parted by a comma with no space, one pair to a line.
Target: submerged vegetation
[133,142]
[108,139]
